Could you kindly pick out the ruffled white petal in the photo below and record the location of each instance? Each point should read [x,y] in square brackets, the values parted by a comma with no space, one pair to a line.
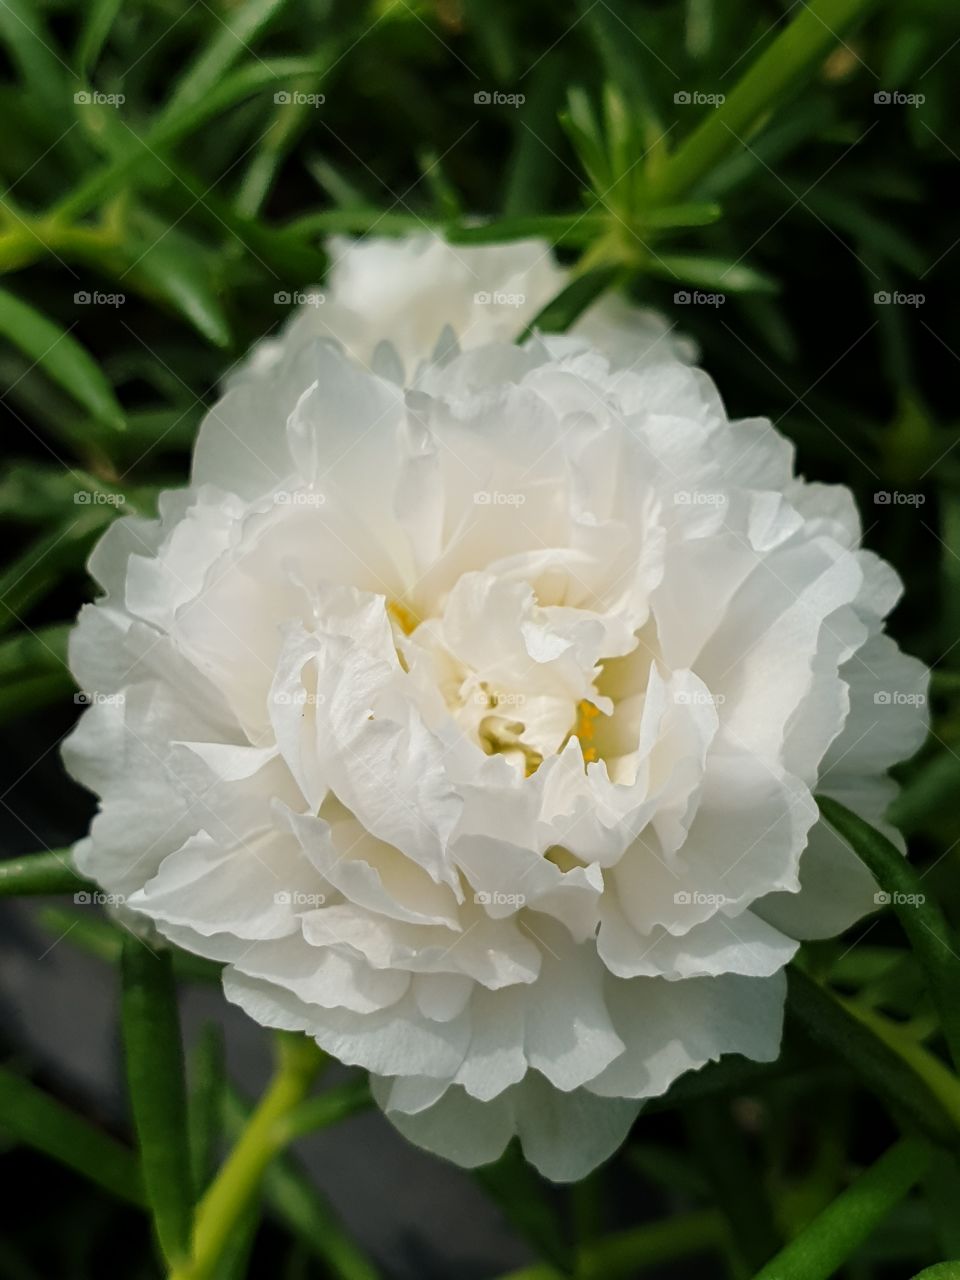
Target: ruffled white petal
[470,703]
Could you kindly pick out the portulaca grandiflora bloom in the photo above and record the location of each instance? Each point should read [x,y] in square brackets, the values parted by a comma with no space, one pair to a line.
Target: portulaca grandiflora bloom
[472,699]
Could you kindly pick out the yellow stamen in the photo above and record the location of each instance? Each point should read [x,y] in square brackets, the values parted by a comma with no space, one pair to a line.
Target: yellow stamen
[585,729]
[405,618]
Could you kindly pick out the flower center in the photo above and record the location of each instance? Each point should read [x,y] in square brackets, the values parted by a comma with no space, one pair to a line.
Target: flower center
[522,680]
[585,729]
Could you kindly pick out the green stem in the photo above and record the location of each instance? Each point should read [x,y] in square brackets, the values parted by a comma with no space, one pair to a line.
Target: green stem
[30,238]
[236,1185]
[785,62]
[938,1078]
[41,873]
[326,1109]
[299,1205]
[624,1253]
[827,1243]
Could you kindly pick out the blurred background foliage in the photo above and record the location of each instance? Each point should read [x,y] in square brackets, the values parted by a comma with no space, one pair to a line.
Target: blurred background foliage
[158,195]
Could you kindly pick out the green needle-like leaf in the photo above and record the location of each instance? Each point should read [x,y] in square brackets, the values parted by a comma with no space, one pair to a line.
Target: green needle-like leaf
[177,268]
[29,1115]
[174,125]
[559,228]
[790,58]
[155,1077]
[570,303]
[44,562]
[98,936]
[33,652]
[233,36]
[826,1244]
[681,215]
[207,1084]
[921,917]
[717,274]
[30,46]
[60,356]
[909,1084]
[100,17]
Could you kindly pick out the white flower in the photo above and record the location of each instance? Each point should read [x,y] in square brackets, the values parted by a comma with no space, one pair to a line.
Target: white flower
[474,723]
[392,303]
